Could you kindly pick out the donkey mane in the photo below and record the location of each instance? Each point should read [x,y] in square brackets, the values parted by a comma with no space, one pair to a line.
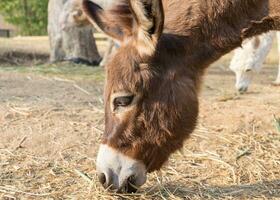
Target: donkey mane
[208,33]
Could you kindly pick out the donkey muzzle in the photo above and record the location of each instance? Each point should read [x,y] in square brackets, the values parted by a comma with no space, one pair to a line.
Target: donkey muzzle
[118,172]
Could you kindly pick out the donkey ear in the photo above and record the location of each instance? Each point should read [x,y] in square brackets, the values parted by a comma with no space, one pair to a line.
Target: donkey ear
[102,19]
[149,17]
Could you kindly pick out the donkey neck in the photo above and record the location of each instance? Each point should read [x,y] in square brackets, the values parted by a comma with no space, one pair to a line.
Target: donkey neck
[200,31]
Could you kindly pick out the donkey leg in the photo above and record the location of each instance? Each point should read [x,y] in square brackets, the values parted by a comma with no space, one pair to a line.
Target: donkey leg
[277,81]
[107,53]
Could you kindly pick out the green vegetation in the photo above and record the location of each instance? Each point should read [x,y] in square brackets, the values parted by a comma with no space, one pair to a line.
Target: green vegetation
[30,16]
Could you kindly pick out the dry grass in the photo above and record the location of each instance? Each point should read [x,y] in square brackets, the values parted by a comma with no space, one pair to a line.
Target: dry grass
[51,121]
[36,45]
[32,50]
[32,44]
[39,163]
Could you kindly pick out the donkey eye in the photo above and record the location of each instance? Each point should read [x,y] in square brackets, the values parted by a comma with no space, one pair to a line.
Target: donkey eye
[123,101]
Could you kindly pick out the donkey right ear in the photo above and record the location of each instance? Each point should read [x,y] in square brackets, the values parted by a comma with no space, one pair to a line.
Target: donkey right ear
[103,20]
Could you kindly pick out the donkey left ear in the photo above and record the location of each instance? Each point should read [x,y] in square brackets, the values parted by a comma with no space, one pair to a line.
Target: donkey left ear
[149,22]
[104,20]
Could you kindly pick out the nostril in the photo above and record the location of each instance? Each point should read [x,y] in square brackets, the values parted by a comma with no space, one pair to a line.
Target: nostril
[102,179]
[131,187]
[131,179]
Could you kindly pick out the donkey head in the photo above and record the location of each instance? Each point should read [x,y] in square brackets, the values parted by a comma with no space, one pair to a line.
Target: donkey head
[150,106]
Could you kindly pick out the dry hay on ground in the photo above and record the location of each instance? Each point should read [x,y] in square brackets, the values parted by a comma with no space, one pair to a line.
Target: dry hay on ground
[51,126]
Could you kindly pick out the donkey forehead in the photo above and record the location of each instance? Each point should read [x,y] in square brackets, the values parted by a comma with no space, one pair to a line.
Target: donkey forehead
[117,81]
[127,71]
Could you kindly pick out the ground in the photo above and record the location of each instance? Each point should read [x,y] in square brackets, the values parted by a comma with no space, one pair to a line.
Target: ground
[51,120]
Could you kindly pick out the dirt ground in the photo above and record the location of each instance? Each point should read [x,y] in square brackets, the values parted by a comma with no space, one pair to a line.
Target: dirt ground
[51,120]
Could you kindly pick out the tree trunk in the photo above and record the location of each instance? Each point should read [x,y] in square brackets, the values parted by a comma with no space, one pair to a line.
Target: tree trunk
[55,36]
[25,8]
[79,45]
[75,44]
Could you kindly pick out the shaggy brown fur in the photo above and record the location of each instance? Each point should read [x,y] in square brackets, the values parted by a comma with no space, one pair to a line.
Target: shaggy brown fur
[165,83]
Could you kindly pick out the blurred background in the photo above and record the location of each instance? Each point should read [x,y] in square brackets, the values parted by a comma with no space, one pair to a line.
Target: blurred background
[51,116]
[36,32]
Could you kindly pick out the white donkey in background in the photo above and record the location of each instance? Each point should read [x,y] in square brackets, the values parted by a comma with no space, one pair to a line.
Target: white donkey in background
[250,58]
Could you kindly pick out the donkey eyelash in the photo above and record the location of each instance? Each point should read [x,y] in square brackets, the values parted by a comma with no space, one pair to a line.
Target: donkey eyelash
[123,101]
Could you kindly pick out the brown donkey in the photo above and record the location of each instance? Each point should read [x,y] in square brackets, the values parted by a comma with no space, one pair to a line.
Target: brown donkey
[153,79]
